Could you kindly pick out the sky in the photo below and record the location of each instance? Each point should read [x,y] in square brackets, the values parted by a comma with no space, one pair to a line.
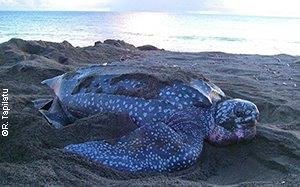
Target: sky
[244,7]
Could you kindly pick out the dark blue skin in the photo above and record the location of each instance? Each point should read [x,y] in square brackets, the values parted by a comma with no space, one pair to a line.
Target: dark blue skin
[171,130]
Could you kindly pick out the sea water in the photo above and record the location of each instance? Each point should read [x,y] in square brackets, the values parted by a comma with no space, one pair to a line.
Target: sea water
[171,31]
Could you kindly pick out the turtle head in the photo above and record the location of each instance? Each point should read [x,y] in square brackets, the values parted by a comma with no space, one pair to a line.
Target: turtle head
[235,121]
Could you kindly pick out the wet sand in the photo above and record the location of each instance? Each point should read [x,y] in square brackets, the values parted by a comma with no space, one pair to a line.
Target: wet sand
[31,154]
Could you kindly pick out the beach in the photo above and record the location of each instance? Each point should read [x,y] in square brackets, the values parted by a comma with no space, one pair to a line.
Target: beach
[31,154]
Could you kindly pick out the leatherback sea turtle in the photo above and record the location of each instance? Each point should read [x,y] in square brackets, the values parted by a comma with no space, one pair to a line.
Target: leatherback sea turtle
[175,112]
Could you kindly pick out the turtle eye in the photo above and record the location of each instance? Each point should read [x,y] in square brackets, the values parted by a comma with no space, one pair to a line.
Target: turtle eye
[239,112]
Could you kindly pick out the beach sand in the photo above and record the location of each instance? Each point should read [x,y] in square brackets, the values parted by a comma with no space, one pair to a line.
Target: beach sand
[32,152]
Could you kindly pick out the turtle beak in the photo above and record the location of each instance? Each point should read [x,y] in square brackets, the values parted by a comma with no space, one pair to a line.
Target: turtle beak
[249,120]
[247,127]
[252,119]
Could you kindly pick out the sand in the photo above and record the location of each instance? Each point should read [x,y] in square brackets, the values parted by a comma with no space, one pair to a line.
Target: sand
[31,154]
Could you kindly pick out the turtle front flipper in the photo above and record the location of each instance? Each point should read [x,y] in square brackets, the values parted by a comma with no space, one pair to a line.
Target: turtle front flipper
[52,111]
[156,147]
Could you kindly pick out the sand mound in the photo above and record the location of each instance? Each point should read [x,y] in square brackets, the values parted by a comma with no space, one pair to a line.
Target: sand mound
[64,53]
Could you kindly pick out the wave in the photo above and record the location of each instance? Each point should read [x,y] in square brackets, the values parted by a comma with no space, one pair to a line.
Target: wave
[203,38]
[138,34]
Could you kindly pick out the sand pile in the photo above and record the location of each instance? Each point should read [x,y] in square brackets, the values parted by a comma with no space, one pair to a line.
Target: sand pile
[32,154]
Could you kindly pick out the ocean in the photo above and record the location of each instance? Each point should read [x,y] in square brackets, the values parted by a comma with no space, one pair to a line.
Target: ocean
[171,31]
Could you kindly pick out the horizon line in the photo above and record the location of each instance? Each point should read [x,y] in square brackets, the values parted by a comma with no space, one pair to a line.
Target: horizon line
[182,12]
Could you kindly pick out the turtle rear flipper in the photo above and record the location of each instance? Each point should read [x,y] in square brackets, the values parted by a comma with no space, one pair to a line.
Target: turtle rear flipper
[52,111]
[42,103]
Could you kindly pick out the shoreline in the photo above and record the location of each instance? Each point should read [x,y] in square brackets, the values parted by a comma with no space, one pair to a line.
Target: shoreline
[31,153]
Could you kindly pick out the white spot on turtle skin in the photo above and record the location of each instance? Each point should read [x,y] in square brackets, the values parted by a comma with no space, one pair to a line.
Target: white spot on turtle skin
[180,107]
[151,108]
[145,114]
[159,108]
